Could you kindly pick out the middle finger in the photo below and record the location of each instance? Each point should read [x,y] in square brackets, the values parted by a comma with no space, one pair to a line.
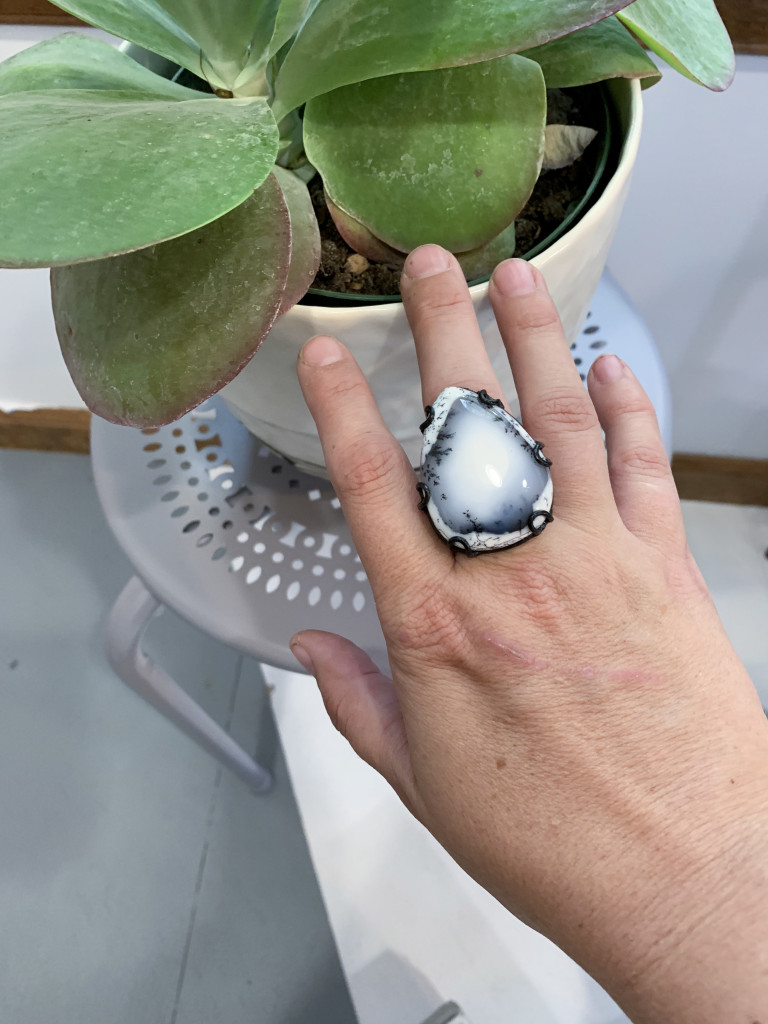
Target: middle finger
[449,345]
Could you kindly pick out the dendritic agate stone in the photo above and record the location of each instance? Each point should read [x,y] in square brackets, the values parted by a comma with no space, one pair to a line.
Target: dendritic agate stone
[485,483]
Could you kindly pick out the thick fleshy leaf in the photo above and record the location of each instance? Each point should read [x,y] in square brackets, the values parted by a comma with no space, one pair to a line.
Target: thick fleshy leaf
[593,54]
[475,262]
[358,237]
[149,335]
[689,35]
[223,41]
[480,262]
[346,41]
[290,16]
[72,61]
[305,237]
[564,143]
[87,173]
[428,157]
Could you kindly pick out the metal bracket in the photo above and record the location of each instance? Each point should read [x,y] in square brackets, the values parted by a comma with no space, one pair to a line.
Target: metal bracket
[547,516]
[486,399]
[459,544]
[539,456]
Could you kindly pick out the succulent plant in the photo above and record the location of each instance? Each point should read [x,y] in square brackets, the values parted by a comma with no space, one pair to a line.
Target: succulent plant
[177,222]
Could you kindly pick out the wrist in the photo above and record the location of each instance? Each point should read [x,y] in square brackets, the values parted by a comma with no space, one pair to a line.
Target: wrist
[689,940]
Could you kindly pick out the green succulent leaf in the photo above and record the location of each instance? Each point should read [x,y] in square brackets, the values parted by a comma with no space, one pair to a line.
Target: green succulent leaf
[223,41]
[480,262]
[290,16]
[474,262]
[72,61]
[425,157]
[305,237]
[593,54]
[688,34]
[87,173]
[358,237]
[149,335]
[347,41]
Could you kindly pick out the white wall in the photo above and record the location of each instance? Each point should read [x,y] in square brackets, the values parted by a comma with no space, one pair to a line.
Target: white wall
[692,252]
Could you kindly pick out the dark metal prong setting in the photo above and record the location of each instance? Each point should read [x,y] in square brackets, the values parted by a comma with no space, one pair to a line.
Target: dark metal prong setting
[486,399]
[539,455]
[424,495]
[459,544]
[430,413]
[547,516]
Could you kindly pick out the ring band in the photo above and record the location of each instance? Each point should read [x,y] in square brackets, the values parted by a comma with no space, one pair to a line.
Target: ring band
[485,483]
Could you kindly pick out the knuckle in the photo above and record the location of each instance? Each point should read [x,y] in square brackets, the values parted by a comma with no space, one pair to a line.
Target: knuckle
[435,627]
[637,405]
[645,459]
[544,593]
[538,315]
[568,408]
[344,386]
[446,306]
[367,471]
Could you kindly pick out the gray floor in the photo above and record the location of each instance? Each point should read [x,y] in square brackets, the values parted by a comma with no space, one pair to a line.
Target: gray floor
[138,882]
[141,885]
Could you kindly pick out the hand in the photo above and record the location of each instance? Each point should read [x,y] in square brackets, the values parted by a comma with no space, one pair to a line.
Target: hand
[568,717]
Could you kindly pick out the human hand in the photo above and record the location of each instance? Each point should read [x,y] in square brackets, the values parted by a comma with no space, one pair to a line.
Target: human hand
[568,717]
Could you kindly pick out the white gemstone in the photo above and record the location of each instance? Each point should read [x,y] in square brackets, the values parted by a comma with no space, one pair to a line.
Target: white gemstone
[485,483]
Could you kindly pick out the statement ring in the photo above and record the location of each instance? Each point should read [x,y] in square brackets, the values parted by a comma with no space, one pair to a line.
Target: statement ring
[485,483]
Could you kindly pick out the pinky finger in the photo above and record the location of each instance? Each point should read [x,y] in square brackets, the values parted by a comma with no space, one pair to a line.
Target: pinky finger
[641,476]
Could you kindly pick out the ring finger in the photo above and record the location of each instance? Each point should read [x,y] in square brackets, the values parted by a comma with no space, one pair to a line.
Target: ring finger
[555,405]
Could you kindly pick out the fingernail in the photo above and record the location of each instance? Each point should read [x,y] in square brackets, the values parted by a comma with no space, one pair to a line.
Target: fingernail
[608,368]
[426,261]
[301,654]
[321,351]
[514,277]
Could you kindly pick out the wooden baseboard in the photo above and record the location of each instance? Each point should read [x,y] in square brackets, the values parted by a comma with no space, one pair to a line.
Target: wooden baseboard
[746,20]
[720,478]
[34,12]
[698,477]
[47,430]
[747,24]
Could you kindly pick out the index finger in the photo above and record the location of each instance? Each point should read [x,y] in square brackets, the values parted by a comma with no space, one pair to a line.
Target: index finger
[368,468]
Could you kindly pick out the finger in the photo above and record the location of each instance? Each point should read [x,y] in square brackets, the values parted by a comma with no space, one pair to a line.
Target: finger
[554,403]
[449,345]
[368,468]
[641,476]
[362,704]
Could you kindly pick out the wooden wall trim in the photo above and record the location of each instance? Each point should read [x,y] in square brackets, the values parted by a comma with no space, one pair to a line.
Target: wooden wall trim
[34,12]
[698,477]
[746,20]
[747,24]
[722,479]
[47,430]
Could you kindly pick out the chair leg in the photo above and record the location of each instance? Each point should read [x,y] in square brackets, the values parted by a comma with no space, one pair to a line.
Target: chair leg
[449,1013]
[128,619]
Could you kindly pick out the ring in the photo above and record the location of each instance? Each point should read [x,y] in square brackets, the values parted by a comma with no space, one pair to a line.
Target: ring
[485,483]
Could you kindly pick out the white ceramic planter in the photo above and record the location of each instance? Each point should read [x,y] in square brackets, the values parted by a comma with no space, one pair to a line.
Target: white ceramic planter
[266,397]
